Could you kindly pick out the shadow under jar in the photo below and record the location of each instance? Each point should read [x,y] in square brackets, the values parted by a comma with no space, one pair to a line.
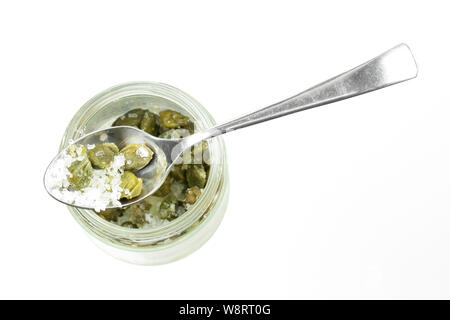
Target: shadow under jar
[188,232]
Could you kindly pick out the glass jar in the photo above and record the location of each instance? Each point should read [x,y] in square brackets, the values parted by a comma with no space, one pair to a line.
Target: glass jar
[188,232]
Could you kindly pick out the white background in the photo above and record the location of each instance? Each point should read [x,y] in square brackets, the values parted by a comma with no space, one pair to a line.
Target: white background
[358,205]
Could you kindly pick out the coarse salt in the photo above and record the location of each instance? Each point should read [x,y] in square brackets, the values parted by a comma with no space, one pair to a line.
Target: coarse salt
[142,152]
[104,188]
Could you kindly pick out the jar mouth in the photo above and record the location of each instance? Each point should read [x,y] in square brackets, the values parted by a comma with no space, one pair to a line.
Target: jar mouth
[115,234]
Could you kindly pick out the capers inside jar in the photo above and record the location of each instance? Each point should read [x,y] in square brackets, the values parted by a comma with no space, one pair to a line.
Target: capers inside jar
[184,184]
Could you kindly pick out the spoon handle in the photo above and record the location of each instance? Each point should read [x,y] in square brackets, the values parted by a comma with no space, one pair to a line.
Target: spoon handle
[393,66]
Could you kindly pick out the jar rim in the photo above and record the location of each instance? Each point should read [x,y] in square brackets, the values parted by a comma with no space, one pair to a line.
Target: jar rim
[107,231]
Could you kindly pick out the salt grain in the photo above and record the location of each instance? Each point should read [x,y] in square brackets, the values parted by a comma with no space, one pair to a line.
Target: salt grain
[143,152]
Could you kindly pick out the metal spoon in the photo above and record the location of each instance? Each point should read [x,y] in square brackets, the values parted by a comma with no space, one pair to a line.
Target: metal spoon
[393,66]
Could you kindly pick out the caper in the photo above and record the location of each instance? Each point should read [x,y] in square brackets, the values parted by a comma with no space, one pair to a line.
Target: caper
[102,155]
[192,195]
[175,134]
[196,176]
[110,214]
[76,150]
[136,215]
[132,118]
[168,208]
[178,173]
[80,168]
[150,123]
[137,156]
[131,185]
[172,119]
[164,189]
[81,174]
[190,127]
[167,134]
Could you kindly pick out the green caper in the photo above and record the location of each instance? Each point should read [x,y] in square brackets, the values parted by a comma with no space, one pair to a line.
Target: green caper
[136,215]
[190,127]
[102,155]
[110,214]
[81,174]
[168,208]
[150,123]
[76,150]
[175,134]
[178,173]
[167,134]
[131,185]
[80,169]
[172,119]
[164,189]
[132,118]
[196,175]
[137,156]
[192,195]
